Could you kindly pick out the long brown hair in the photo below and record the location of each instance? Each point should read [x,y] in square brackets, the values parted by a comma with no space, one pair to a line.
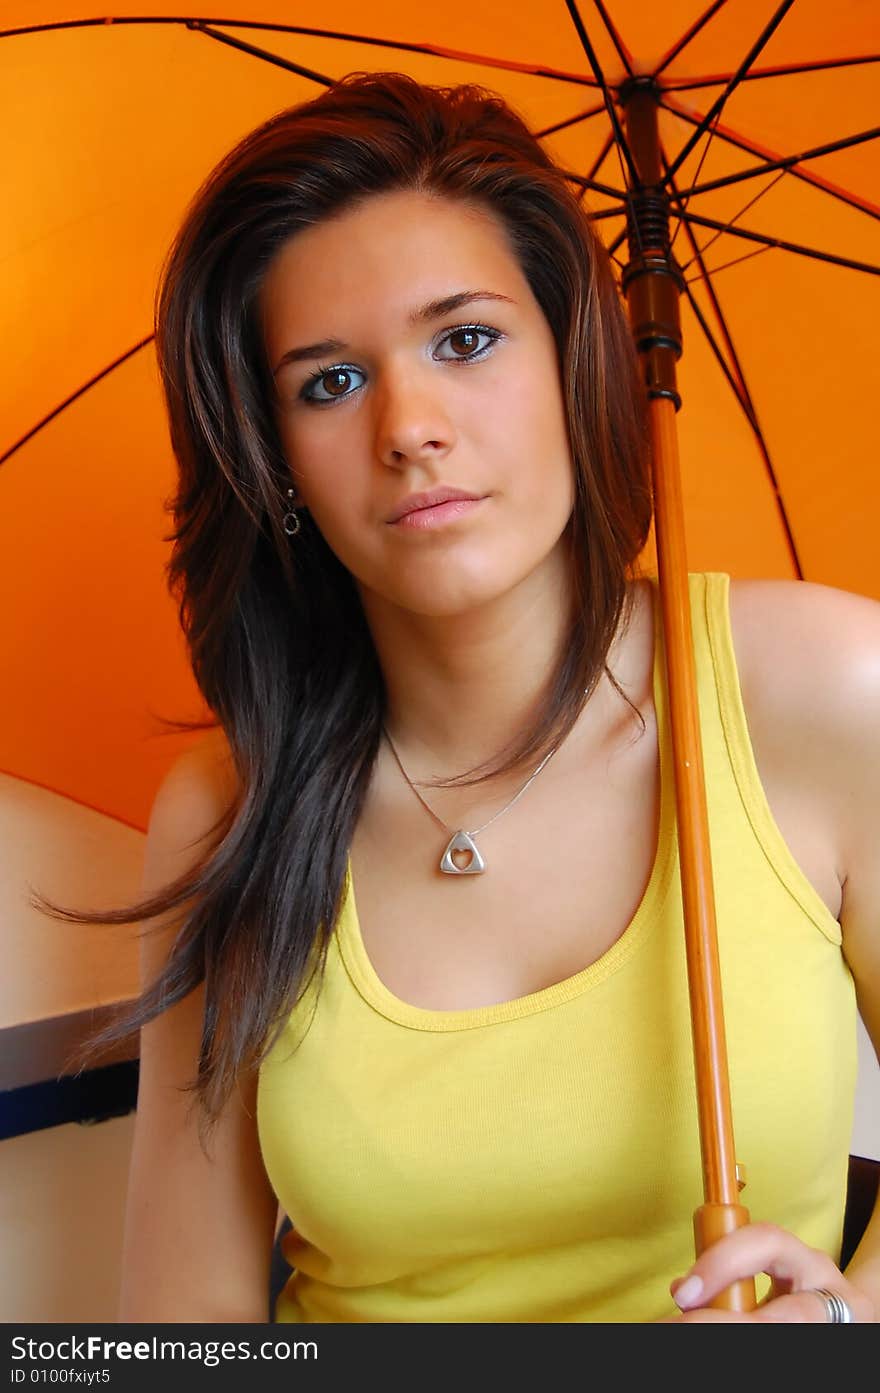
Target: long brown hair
[276,635]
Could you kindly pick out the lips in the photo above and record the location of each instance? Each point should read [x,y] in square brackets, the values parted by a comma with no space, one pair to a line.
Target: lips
[417,501]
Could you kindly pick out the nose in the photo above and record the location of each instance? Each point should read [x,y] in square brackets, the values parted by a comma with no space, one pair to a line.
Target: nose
[412,422]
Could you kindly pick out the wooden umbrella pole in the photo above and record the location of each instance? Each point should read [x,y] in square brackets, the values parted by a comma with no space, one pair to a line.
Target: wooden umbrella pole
[652,285]
[721,1212]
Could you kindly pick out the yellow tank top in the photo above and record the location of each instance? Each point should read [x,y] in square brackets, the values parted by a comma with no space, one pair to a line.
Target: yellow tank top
[537,1160]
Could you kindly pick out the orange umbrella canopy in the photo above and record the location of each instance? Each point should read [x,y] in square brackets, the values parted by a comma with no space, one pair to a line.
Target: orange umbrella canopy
[116,122]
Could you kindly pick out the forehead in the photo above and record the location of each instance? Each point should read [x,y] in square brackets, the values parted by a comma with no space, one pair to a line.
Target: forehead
[399,248]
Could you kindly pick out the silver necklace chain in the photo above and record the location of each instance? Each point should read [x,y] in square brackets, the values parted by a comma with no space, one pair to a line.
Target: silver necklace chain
[461,840]
[476,830]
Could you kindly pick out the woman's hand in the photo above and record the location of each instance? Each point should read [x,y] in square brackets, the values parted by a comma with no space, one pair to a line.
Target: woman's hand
[795,1271]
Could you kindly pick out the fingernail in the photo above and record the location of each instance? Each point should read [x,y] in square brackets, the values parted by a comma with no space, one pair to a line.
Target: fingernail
[689,1293]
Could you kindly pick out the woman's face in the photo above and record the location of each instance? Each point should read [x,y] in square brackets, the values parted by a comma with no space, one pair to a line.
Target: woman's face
[413,396]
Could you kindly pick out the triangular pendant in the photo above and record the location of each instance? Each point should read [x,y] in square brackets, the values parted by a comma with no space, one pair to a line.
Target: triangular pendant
[462,842]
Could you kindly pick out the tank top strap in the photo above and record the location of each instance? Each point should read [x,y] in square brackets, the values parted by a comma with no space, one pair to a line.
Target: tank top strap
[722,706]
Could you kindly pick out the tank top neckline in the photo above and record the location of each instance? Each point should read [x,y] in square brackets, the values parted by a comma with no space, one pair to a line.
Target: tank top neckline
[648,914]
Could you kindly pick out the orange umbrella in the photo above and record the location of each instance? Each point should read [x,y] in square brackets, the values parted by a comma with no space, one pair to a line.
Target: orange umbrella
[764,141]
[117,121]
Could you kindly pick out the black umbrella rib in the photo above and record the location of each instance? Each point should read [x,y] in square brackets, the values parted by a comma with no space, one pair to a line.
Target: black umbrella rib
[740,386]
[749,414]
[725,265]
[704,153]
[736,376]
[619,136]
[720,101]
[622,52]
[733,379]
[735,219]
[689,34]
[729,137]
[757,74]
[786,162]
[35,430]
[612,246]
[602,213]
[274,58]
[429,50]
[593,185]
[571,121]
[778,242]
[601,157]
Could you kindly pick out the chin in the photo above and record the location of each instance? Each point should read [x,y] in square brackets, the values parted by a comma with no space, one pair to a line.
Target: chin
[456,586]
[438,605]
[448,599]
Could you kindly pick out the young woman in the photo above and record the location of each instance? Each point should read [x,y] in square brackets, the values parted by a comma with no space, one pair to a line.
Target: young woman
[418,895]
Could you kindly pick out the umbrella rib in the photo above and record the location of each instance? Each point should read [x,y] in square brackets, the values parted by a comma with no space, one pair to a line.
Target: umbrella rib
[734,382]
[430,50]
[725,265]
[735,376]
[435,51]
[621,144]
[612,246]
[740,386]
[262,53]
[600,158]
[594,186]
[720,101]
[782,245]
[736,217]
[601,213]
[748,411]
[784,70]
[683,205]
[623,52]
[785,162]
[689,34]
[588,181]
[731,137]
[68,401]
[620,138]
[571,121]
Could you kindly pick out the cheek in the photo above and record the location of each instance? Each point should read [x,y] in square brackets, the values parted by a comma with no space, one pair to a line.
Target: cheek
[314,465]
[530,397]
[333,492]
[540,431]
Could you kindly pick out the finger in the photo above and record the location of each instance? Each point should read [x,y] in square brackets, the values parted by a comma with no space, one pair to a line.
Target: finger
[756,1248]
[707,1315]
[802,1307]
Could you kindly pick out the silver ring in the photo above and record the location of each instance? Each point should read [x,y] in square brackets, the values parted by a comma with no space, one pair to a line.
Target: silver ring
[836,1310]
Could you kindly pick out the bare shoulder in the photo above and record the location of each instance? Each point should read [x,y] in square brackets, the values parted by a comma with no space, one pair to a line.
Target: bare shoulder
[205,772]
[814,647]
[211,754]
[808,658]
[809,661]
[189,807]
[190,804]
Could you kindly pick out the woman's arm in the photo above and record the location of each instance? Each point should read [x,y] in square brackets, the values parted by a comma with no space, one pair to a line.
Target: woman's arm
[828,652]
[198,1232]
[858,760]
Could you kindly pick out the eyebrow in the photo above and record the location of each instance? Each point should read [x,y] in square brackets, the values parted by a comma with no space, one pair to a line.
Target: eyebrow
[434,309]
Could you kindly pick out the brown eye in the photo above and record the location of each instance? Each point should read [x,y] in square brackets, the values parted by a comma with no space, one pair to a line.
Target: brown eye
[465,342]
[333,380]
[333,384]
[467,339]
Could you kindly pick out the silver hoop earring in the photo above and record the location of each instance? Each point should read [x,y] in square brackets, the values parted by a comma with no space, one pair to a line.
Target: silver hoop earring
[290,522]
